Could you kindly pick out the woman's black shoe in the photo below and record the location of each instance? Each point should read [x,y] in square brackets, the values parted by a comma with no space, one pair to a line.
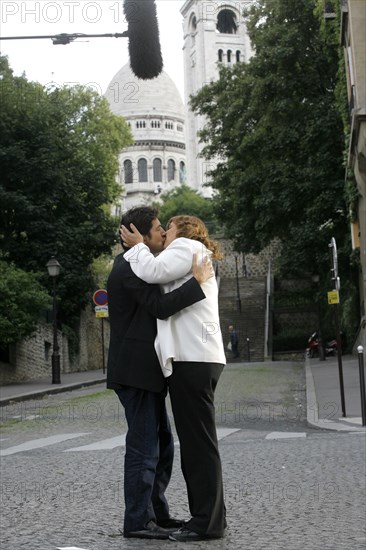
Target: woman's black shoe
[186,535]
[150,531]
[170,523]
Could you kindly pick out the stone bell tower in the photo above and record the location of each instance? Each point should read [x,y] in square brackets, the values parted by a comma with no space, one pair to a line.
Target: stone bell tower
[214,33]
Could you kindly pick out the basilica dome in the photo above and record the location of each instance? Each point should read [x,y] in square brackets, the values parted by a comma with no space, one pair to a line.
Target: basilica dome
[154,111]
[129,96]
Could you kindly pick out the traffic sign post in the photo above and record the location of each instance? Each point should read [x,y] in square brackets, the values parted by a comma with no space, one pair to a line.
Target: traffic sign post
[333,298]
[100,299]
[101,312]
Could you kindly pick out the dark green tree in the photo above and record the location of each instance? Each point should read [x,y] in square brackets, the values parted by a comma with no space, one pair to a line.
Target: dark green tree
[58,161]
[22,299]
[274,124]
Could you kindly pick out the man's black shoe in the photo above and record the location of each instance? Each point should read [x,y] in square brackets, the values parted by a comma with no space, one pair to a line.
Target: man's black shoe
[186,535]
[170,523]
[151,531]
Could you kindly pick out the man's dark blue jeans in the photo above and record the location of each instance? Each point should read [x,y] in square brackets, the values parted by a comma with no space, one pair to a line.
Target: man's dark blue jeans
[148,459]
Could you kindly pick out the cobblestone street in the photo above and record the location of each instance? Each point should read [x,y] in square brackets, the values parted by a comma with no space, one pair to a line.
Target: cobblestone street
[287,485]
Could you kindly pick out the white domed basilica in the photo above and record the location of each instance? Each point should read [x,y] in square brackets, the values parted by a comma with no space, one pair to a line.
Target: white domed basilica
[213,34]
[154,111]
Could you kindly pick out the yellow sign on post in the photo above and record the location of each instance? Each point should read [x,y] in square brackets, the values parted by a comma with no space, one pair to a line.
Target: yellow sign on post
[101,312]
[333,297]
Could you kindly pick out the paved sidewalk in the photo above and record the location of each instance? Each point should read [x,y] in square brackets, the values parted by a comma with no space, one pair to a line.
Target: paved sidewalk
[322,389]
[324,409]
[44,386]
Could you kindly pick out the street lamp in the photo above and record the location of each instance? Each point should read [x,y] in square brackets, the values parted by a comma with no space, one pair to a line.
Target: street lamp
[316,280]
[238,300]
[54,270]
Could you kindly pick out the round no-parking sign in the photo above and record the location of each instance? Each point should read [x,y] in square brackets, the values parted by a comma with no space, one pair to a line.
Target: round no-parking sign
[100,297]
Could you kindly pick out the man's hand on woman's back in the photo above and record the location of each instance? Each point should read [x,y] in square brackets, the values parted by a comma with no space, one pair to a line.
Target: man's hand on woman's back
[202,272]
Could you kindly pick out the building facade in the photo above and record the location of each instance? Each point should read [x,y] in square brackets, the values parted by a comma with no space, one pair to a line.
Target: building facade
[214,33]
[154,111]
[166,151]
[353,36]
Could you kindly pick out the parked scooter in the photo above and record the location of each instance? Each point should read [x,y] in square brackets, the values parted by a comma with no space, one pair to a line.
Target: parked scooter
[330,348]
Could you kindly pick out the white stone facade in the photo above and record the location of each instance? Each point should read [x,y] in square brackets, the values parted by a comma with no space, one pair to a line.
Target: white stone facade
[154,110]
[214,33]
[248,265]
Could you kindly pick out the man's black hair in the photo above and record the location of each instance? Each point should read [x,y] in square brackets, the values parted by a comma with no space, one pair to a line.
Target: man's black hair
[142,217]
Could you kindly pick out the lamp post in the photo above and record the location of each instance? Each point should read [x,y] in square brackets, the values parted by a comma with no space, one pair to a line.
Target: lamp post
[54,270]
[238,300]
[316,280]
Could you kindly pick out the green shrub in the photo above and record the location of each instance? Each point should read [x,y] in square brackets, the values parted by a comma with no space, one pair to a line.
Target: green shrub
[290,340]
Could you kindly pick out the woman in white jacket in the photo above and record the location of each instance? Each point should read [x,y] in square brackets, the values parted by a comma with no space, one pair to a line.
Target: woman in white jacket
[191,353]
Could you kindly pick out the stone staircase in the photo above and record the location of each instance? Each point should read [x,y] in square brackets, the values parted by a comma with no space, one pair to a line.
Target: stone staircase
[250,323]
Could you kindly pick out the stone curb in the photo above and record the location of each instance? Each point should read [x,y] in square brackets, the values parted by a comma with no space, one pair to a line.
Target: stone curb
[312,409]
[49,390]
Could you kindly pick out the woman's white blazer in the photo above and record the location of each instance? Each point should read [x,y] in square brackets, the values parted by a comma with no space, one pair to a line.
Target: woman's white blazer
[192,334]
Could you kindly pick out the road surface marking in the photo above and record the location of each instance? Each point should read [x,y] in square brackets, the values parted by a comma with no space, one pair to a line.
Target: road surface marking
[38,443]
[102,445]
[285,435]
[120,441]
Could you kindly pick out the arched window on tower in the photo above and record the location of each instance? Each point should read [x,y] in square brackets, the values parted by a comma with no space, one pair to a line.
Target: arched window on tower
[193,23]
[193,29]
[221,53]
[226,22]
[171,170]
[238,56]
[182,173]
[228,56]
[157,170]
[142,170]
[128,173]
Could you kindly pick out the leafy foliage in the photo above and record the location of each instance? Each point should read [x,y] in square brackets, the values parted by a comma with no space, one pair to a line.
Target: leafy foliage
[184,200]
[22,299]
[274,126]
[58,160]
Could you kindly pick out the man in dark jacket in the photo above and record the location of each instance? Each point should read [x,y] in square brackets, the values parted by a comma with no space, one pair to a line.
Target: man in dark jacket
[234,340]
[134,373]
